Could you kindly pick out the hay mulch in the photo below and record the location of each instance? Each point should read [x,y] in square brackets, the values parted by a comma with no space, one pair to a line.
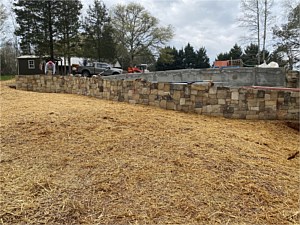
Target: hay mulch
[69,159]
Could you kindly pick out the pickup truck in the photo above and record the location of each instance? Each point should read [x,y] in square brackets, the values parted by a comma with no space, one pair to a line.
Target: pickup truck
[97,68]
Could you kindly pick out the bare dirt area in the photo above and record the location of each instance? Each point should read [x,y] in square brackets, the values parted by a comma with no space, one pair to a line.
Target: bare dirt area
[68,159]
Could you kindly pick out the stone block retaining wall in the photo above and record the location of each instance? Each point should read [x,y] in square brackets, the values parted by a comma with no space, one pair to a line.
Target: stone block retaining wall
[201,97]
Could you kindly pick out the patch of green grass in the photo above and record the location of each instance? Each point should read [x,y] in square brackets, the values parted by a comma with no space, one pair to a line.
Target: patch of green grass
[7,77]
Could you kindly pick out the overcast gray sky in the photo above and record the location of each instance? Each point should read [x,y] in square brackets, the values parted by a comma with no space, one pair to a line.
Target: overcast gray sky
[209,23]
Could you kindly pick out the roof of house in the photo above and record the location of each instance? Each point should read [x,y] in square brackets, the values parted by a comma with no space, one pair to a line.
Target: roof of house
[28,57]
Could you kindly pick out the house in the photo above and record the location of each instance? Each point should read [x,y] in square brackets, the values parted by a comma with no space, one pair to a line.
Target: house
[29,65]
[32,65]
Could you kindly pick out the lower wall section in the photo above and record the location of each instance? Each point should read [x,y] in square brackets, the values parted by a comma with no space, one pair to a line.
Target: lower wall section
[202,97]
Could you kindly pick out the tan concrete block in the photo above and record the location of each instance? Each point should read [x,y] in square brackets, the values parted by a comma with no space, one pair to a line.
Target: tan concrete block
[271,107]
[161,86]
[212,90]
[221,101]
[177,95]
[163,104]
[161,92]
[270,103]
[194,92]
[154,91]
[136,97]
[293,110]
[145,91]
[170,105]
[234,95]
[182,101]
[188,102]
[215,108]
[130,93]
[267,97]
[274,95]
[198,110]
[199,87]
[253,103]
[202,93]
[282,114]
[280,100]
[193,97]
[152,98]
[166,87]
[295,94]
[222,94]
[206,109]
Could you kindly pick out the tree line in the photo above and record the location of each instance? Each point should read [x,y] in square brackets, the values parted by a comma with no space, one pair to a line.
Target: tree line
[54,27]
[129,34]
[257,18]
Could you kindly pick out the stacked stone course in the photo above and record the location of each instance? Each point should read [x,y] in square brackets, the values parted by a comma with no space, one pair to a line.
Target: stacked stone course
[202,97]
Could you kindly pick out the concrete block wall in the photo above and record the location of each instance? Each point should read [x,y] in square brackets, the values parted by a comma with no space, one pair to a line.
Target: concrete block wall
[201,97]
[233,77]
[293,79]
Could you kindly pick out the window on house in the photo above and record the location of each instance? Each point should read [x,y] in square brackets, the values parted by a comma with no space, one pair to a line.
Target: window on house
[31,64]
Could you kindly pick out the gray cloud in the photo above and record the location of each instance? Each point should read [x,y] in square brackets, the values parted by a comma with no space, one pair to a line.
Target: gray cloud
[199,22]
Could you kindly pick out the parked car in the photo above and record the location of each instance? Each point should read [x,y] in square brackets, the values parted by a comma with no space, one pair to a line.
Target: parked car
[141,68]
[97,68]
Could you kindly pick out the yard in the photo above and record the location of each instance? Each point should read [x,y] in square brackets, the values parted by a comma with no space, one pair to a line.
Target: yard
[69,159]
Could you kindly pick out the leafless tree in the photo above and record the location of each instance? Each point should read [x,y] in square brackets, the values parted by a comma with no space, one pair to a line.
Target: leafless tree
[3,17]
[8,41]
[256,18]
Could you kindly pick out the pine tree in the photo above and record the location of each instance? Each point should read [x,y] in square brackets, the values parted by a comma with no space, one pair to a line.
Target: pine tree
[44,23]
[166,59]
[98,41]
[28,22]
[107,44]
[202,60]
[179,59]
[67,29]
[223,56]
[235,52]
[250,55]
[189,56]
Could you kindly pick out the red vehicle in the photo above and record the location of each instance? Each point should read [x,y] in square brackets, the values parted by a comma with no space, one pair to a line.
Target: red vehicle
[134,70]
[141,68]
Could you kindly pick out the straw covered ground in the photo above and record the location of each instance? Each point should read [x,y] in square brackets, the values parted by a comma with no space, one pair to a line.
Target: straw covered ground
[69,159]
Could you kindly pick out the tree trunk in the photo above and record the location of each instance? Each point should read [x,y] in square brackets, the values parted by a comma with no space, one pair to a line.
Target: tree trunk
[265,30]
[258,33]
[65,66]
[68,52]
[51,48]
